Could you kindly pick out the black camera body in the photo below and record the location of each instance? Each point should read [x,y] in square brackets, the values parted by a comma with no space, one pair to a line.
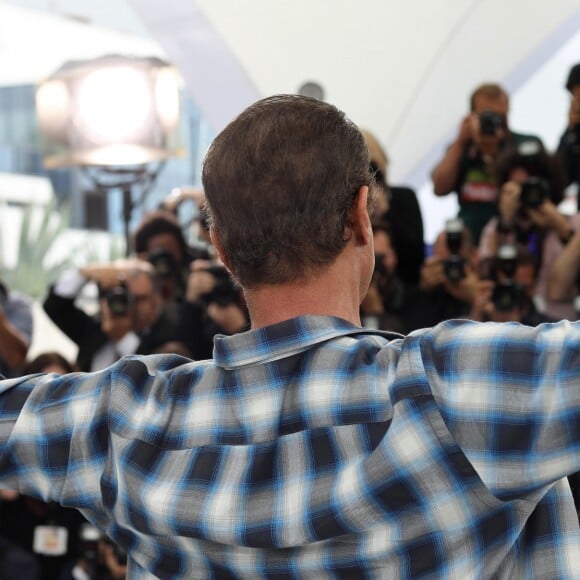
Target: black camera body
[506,293]
[534,191]
[164,262]
[506,296]
[454,266]
[489,123]
[225,291]
[119,299]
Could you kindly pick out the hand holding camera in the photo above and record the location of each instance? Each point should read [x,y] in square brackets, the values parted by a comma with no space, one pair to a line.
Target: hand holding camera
[490,131]
[111,273]
[547,216]
[229,317]
[468,129]
[116,299]
[432,274]
[200,281]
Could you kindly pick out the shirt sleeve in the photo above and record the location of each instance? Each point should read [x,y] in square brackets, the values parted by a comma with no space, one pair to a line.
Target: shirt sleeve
[510,396]
[57,431]
[54,436]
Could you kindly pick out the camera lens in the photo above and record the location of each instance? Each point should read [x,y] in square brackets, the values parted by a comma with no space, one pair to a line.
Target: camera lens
[118,299]
[534,191]
[507,256]
[489,123]
[454,230]
[164,263]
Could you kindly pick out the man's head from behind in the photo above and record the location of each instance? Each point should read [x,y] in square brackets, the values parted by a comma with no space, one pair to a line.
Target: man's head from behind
[280,181]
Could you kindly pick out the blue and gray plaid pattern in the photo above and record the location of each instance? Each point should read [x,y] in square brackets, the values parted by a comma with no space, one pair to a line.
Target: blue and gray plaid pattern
[314,449]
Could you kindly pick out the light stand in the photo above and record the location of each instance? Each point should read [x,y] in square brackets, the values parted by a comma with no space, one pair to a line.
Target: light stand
[127,179]
[115,117]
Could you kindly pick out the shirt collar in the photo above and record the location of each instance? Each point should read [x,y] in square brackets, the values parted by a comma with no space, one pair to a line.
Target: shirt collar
[279,340]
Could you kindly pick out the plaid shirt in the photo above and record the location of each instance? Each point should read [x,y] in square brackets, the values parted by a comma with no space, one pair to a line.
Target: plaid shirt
[315,449]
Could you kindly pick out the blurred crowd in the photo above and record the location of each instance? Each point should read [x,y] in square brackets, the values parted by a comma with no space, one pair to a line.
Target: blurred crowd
[511,254]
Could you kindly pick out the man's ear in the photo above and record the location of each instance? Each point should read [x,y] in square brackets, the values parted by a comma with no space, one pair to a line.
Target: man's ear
[215,240]
[360,221]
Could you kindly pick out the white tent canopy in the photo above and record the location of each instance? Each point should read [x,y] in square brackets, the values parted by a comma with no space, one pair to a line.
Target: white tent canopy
[402,69]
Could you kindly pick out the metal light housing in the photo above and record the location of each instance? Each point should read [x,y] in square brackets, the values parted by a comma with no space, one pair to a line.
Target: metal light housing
[110,111]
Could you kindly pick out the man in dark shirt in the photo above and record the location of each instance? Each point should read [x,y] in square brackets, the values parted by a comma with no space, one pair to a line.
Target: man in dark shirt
[131,317]
[467,166]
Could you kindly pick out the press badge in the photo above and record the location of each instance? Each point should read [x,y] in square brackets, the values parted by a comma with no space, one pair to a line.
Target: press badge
[50,540]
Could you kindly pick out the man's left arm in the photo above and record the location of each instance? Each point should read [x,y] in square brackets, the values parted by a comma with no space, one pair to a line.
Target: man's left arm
[510,396]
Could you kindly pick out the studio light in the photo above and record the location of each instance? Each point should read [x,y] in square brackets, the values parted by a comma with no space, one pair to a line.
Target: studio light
[113,110]
[117,118]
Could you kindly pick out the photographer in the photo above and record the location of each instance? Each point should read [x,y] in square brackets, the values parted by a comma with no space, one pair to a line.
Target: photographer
[160,240]
[507,287]
[466,167]
[398,206]
[528,217]
[384,301]
[213,304]
[569,146]
[130,319]
[449,277]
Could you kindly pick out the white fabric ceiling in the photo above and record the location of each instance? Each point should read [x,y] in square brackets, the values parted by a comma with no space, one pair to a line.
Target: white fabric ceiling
[403,69]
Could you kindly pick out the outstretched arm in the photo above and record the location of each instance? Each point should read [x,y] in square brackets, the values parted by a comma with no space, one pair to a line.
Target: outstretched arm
[510,396]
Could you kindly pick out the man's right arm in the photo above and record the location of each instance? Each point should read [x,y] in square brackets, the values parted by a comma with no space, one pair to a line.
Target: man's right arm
[56,431]
[54,436]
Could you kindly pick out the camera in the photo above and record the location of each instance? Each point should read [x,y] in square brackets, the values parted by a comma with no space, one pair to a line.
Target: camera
[119,299]
[489,123]
[164,262]
[89,543]
[533,192]
[506,293]
[90,537]
[225,291]
[454,266]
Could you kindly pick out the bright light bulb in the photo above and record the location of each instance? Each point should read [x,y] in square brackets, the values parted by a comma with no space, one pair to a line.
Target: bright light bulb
[113,104]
